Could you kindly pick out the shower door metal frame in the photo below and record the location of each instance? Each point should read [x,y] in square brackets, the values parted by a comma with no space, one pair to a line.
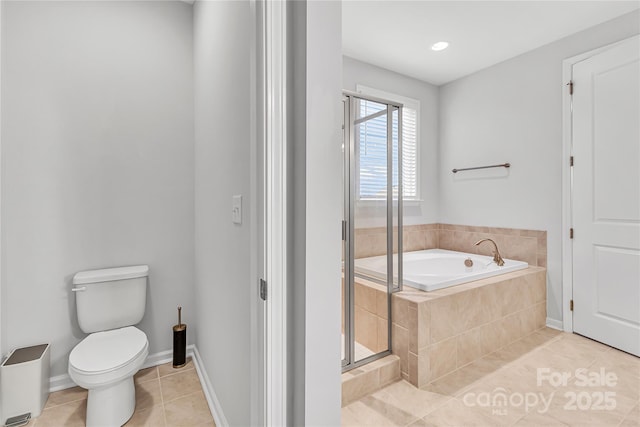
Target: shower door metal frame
[350,192]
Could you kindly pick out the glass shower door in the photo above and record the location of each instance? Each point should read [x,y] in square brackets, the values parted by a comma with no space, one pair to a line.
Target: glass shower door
[372,226]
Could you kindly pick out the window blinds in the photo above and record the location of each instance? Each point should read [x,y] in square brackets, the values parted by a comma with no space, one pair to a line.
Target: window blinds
[372,152]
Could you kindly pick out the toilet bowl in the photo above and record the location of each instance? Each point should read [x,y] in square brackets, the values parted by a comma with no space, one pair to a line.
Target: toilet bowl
[104,363]
[109,302]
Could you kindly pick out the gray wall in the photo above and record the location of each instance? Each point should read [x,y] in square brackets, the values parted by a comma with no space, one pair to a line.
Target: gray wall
[323,197]
[222,49]
[355,72]
[513,112]
[297,115]
[97,161]
[315,140]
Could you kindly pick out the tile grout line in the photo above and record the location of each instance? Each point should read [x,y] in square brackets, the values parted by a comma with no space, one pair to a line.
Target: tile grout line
[622,416]
[441,405]
[147,381]
[182,395]
[179,371]
[164,415]
[519,419]
[507,364]
[483,324]
[62,404]
[186,395]
[162,397]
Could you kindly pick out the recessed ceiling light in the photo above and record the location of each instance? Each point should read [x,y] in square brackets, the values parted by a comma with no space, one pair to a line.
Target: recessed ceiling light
[439,46]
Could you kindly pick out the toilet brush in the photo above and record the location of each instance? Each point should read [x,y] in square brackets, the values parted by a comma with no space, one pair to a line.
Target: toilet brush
[179,342]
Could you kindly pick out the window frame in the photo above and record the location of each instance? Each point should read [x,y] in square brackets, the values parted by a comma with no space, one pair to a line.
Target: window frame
[410,103]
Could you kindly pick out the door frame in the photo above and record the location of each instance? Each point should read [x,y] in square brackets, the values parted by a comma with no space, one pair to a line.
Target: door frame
[268,335]
[273,218]
[567,178]
[1,323]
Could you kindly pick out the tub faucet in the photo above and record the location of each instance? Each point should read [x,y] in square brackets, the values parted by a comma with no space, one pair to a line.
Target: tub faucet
[497,258]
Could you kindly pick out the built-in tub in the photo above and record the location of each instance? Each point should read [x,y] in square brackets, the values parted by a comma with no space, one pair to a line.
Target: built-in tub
[433,269]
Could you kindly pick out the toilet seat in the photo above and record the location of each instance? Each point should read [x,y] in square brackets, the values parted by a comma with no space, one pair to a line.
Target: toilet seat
[105,357]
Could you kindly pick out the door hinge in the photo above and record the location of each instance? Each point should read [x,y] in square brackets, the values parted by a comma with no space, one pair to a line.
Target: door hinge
[570,84]
[263,289]
[571,161]
[571,233]
[571,305]
[344,230]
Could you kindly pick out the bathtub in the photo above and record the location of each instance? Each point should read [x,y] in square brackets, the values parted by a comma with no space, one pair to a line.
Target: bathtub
[433,269]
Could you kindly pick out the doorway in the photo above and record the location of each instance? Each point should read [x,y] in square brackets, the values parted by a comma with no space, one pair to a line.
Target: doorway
[372,225]
[605,195]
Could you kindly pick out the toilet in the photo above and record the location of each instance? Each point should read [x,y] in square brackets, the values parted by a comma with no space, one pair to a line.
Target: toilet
[108,303]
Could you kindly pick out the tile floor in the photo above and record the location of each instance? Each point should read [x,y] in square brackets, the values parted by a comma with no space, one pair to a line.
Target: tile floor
[164,397]
[494,390]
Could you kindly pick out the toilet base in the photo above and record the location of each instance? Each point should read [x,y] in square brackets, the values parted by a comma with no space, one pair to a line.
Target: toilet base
[111,406]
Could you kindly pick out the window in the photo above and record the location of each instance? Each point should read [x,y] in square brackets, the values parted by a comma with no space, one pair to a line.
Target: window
[371,148]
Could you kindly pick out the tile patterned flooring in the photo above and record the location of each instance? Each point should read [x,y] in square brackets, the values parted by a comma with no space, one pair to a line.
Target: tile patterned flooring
[164,397]
[494,390]
[466,397]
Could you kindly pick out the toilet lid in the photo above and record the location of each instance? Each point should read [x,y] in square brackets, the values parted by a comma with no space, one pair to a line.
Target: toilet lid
[108,350]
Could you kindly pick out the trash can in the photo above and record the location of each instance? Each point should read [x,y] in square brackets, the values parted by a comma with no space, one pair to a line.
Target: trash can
[24,381]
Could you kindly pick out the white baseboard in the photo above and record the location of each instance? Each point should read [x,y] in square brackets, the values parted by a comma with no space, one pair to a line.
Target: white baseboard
[555,324]
[62,382]
[160,358]
[209,393]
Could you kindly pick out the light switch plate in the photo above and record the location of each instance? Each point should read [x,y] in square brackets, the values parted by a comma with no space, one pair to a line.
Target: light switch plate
[236,209]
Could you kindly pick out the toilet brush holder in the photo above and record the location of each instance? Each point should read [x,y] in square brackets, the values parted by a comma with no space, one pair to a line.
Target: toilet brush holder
[179,342]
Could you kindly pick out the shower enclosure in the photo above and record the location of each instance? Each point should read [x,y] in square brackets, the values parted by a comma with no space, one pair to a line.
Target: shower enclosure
[372,225]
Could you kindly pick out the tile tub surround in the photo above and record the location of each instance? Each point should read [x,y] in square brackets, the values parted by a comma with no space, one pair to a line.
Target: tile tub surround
[164,397]
[435,333]
[366,379]
[373,241]
[371,324]
[522,245]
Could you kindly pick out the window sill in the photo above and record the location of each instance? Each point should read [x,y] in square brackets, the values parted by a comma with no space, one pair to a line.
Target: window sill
[373,202]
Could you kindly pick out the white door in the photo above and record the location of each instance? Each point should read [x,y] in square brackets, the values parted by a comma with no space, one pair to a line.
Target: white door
[606,196]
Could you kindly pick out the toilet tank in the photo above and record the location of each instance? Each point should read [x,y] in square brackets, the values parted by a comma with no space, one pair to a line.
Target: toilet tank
[110,298]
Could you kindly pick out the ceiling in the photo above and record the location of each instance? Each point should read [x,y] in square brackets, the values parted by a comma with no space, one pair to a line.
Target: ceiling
[397,35]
